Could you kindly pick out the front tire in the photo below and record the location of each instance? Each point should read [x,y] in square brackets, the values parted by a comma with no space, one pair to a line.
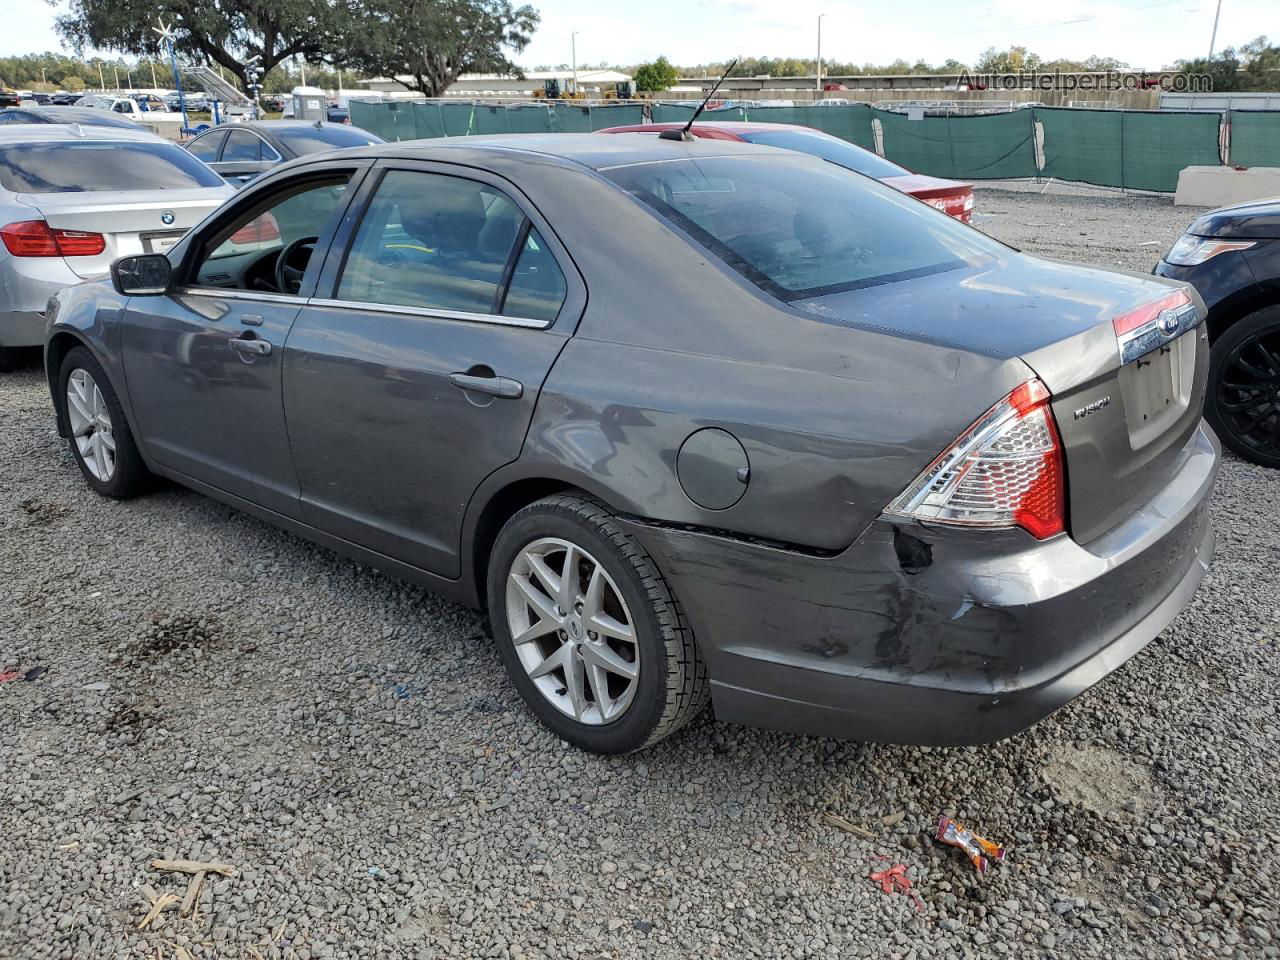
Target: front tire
[1243,397]
[603,655]
[101,440]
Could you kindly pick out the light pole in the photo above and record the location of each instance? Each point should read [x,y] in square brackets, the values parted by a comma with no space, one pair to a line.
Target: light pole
[154,85]
[1213,38]
[573,54]
[819,81]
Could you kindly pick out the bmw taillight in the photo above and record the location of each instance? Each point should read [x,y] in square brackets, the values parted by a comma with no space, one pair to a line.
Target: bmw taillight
[1006,470]
[35,238]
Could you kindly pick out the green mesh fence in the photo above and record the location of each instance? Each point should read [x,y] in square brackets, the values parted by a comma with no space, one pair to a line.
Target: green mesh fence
[1120,148]
[679,113]
[996,146]
[417,119]
[1255,138]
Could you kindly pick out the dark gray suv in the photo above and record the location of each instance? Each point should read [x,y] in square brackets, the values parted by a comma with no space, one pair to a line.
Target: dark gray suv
[689,420]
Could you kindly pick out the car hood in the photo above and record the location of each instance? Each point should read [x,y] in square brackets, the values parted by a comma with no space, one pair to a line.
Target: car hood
[1256,220]
[1014,306]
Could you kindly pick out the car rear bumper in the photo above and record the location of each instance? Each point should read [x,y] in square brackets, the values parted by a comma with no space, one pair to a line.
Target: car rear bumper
[25,289]
[931,635]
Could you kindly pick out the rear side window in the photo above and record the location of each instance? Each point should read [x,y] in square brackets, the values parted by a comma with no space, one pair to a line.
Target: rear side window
[797,227]
[242,147]
[537,287]
[431,240]
[89,166]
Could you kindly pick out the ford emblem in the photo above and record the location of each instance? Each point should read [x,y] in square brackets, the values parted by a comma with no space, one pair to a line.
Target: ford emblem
[167,217]
[1168,323]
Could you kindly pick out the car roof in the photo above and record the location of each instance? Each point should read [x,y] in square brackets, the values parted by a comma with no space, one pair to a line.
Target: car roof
[583,149]
[71,132]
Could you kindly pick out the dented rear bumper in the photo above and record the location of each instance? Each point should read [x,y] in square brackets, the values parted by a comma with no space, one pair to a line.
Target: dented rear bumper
[934,635]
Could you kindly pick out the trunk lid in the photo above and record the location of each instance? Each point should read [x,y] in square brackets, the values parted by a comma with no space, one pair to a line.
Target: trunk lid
[1123,424]
[130,222]
[950,196]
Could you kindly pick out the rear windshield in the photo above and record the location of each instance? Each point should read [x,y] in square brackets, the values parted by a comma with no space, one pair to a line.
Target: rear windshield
[313,139]
[798,228]
[829,148]
[73,167]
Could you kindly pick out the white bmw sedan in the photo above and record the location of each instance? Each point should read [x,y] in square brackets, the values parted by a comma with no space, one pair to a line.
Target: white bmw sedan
[73,198]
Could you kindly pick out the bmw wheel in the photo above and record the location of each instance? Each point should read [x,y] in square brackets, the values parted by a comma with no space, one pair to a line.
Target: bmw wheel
[1243,401]
[100,438]
[588,629]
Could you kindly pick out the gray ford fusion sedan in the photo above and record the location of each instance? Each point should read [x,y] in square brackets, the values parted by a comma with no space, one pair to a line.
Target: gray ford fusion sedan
[689,421]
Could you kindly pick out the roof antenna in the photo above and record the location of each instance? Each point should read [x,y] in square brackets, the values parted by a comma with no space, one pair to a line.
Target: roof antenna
[683,133]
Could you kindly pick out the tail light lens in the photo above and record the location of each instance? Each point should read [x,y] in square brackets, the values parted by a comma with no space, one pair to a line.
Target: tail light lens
[261,229]
[35,238]
[1006,470]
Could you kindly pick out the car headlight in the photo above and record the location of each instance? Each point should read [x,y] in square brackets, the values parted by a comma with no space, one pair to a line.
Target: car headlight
[1191,250]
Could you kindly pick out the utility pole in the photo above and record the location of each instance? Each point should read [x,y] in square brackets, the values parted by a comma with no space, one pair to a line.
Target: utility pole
[1213,38]
[153,76]
[304,70]
[102,81]
[115,72]
[339,90]
[573,54]
[819,83]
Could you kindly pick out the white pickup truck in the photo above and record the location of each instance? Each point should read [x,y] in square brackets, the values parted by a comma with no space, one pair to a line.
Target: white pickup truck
[127,106]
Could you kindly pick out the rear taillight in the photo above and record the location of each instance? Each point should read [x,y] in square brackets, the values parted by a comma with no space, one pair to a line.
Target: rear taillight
[35,238]
[259,230]
[1153,324]
[1006,470]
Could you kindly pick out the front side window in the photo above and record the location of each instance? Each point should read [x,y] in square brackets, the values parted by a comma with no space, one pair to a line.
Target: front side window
[432,240]
[245,254]
[205,147]
[798,228]
[73,166]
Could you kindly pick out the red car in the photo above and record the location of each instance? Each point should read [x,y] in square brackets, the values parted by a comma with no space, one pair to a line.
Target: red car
[949,196]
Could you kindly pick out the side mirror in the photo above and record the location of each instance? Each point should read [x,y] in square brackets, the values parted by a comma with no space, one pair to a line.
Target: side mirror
[141,276]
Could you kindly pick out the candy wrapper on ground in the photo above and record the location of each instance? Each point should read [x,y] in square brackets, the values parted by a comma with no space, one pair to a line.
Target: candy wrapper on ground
[979,849]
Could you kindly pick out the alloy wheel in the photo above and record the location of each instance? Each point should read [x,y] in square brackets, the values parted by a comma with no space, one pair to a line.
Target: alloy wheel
[1249,392]
[91,425]
[572,631]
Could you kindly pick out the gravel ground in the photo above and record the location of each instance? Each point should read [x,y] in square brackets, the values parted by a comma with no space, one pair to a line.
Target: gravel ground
[218,690]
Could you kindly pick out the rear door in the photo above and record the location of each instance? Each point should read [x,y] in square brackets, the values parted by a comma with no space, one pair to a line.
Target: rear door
[204,361]
[242,157]
[414,372]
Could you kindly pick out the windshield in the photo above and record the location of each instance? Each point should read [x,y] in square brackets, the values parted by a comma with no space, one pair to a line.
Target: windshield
[829,148]
[312,139]
[798,228]
[72,166]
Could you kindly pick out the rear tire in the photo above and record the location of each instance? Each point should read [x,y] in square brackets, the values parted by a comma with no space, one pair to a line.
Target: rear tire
[101,440]
[1242,401]
[669,684]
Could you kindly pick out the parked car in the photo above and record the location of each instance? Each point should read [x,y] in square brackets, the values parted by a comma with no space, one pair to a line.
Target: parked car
[241,152]
[688,419]
[9,98]
[125,107]
[336,114]
[51,114]
[949,196]
[65,99]
[1232,257]
[72,199]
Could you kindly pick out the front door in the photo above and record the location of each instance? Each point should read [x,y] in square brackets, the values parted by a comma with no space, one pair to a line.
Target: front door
[203,361]
[416,375]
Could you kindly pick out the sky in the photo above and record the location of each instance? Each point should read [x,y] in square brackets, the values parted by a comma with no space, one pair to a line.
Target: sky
[1143,33]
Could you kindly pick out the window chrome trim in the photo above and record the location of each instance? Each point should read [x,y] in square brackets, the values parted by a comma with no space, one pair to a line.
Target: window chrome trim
[438,314]
[236,294]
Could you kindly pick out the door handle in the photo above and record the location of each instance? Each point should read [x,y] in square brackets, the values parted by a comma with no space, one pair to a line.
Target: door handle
[502,387]
[255,347]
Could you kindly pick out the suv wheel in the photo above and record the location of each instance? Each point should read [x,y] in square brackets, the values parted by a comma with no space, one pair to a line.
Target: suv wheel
[1243,401]
[588,629]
